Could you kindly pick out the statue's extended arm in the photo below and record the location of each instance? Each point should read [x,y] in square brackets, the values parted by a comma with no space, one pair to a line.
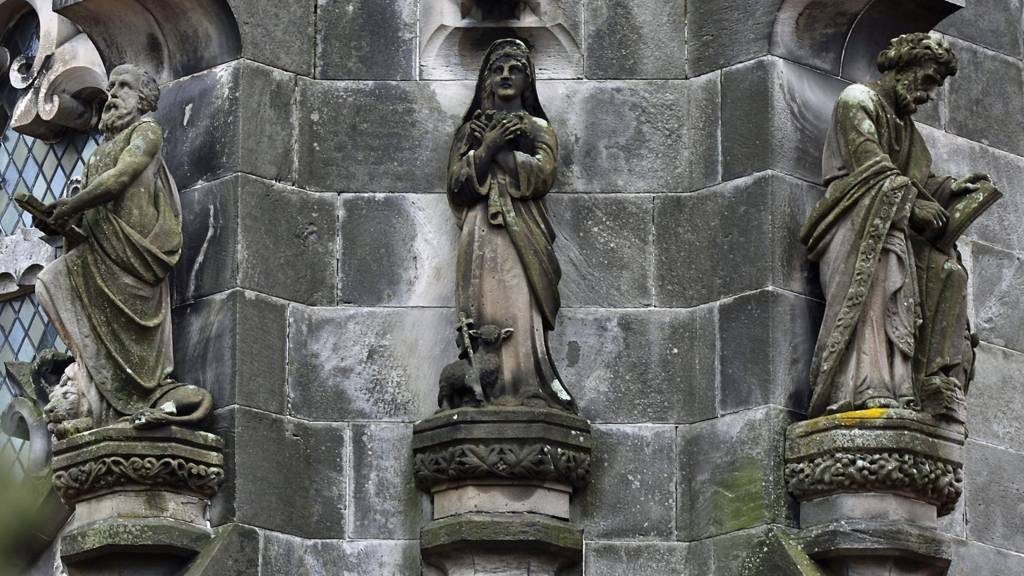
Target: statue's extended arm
[145,145]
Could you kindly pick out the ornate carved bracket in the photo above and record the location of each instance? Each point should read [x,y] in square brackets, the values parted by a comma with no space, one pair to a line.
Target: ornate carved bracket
[115,458]
[502,444]
[871,485]
[501,479]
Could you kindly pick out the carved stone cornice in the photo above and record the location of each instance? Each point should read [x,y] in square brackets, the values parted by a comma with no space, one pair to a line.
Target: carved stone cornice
[118,458]
[883,451]
[522,444]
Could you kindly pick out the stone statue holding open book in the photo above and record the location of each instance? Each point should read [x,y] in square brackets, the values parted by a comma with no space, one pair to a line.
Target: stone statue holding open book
[895,332]
[109,294]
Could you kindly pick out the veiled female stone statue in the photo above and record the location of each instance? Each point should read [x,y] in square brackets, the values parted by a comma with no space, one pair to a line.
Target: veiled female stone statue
[895,332]
[503,161]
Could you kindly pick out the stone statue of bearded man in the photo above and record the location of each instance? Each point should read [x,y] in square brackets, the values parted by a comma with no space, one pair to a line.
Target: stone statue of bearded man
[109,294]
[895,332]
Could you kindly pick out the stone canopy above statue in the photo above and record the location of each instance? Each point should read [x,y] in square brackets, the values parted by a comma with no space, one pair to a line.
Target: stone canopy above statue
[454,35]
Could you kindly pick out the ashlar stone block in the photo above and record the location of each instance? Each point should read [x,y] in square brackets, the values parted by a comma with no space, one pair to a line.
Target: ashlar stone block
[234,344]
[355,136]
[976,558]
[276,33]
[636,39]
[629,558]
[605,248]
[366,39]
[237,117]
[632,495]
[731,474]
[775,115]
[397,250]
[989,23]
[994,496]
[987,90]
[766,340]
[285,475]
[385,501]
[724,32]
[384,365]
[638,366]
[284,554]
[238,232]
[956,156]
[994,402]
[998,276]
[732,238]
[635,136]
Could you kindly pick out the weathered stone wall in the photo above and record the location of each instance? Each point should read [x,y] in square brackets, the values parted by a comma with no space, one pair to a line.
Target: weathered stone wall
[315,296]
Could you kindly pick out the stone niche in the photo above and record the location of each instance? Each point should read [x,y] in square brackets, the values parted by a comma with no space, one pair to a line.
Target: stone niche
[454,34]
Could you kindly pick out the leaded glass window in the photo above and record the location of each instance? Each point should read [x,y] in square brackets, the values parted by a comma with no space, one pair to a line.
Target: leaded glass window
[24,329]
[31,165]
[28,165]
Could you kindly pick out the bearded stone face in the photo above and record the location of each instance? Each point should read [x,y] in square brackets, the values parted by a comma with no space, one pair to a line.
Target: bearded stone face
[917,86]
[124,107]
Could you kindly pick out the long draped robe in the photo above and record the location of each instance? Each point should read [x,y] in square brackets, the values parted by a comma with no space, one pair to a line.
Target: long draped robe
[109,297]
[876,165]
[506,273]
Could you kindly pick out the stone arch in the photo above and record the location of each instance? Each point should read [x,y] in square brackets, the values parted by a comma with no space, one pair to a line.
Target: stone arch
[170,39]
[843,37]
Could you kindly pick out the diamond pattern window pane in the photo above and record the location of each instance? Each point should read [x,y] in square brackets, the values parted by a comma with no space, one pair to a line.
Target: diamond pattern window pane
[30,165]
[24,329]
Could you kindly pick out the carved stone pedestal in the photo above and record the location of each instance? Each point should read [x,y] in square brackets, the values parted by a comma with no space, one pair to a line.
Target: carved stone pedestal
[501,480]
[140,498]
[871,486]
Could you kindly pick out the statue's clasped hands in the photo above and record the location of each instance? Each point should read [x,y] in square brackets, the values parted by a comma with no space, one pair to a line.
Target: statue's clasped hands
[492,138]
